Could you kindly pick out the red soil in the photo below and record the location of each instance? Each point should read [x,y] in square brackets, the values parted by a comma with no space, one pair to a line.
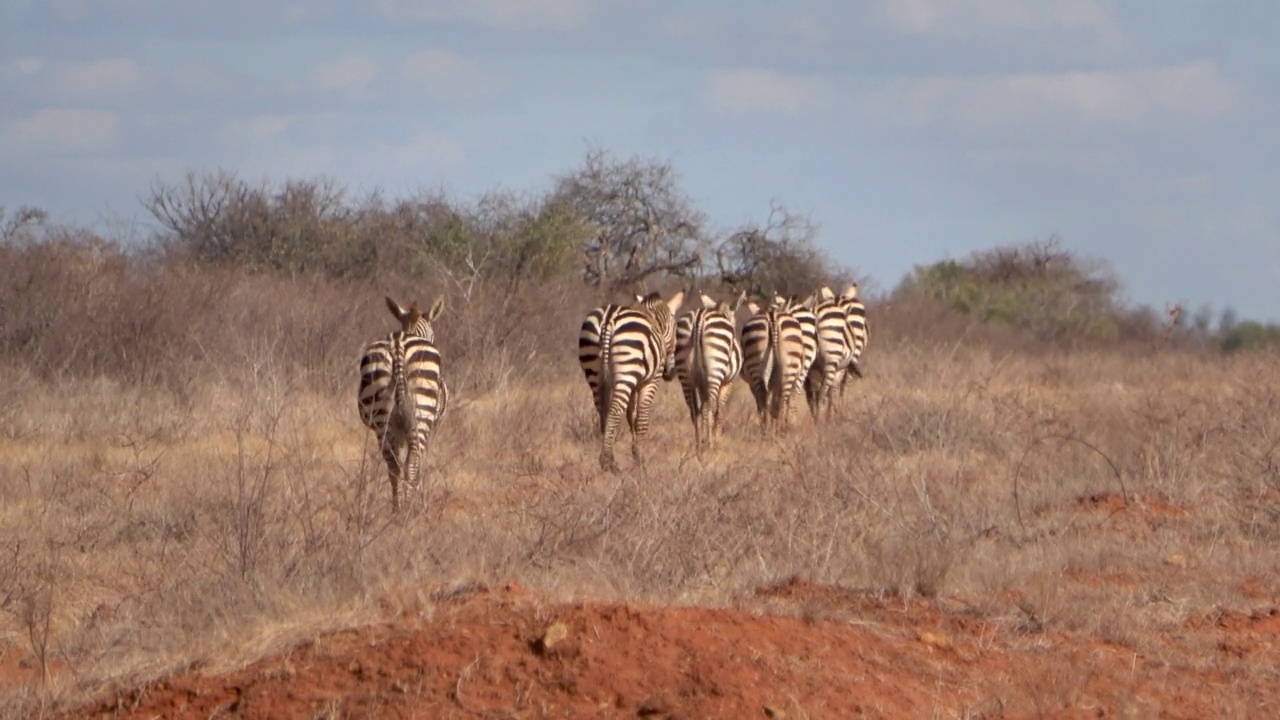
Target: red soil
[795,651]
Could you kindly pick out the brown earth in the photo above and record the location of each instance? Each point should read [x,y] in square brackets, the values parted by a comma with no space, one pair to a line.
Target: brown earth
[793,650]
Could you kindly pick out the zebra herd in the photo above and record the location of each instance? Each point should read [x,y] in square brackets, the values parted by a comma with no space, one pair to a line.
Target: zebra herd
[787,347]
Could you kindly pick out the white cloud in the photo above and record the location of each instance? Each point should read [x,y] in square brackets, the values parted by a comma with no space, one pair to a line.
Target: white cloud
[23,66]
[506,14]
[305,10]
[101,80]
[256,128]
[1133,99]
[691,26]
[449,76]
[55,131]
[202,80]
[350,73]
[754,90]
[432,151]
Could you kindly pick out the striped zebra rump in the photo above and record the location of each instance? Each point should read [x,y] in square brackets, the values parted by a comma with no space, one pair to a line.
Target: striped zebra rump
[708,358]
[856,315]
[402,394]
[835,352]
[810,377]
[590,353]
[636,349]
[773,353]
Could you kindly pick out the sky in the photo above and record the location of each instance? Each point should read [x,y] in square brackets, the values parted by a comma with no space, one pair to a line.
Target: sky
[1141,132]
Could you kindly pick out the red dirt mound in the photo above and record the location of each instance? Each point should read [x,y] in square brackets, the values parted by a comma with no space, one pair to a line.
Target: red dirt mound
[793,651]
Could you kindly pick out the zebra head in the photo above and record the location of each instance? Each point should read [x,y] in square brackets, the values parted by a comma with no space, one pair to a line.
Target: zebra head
[413,322]
[850,293]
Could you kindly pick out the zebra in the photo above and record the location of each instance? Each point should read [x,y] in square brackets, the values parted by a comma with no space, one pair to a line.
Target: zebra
[402,395]
[589,354]
[708,358]
[628,349]
[836,347]
[856,315]
[772,355]
[804,313]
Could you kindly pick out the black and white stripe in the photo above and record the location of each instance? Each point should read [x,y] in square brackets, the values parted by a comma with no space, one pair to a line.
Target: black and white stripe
[803,312]
[628,349]
[402,395]
[772,356]
[708,358]
[856,316]
[835,353]
[589,356]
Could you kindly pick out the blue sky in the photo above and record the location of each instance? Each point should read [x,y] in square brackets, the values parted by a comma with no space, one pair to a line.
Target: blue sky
[1143,132]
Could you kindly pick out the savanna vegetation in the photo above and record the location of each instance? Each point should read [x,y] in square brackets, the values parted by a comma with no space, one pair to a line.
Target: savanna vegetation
[184,480]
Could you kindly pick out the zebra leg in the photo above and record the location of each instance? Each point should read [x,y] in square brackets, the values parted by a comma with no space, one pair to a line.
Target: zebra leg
[711,410]
[760,391]
[642,400]
[722,402]
[613,423]
[813,391]
[838,386]
[392,459]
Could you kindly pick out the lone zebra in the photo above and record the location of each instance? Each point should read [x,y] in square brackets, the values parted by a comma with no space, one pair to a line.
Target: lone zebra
[708,358]
[402,393]
[627,349]
[772,356]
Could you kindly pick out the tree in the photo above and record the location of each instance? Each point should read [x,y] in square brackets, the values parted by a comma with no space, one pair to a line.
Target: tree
[1038,287]
[643,224]
[22,225]
[778,257]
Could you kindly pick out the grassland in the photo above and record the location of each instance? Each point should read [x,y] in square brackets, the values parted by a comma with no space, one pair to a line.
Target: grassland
[210,522]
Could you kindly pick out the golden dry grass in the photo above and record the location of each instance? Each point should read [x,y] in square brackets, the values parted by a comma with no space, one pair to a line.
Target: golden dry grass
[1100,492]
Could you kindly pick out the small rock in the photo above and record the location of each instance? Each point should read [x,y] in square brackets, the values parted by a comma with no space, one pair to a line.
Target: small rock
[1176,560]
[941,642]
[776,713]
[554,633]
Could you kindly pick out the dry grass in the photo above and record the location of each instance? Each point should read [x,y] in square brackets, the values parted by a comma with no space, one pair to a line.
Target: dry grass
[215,520]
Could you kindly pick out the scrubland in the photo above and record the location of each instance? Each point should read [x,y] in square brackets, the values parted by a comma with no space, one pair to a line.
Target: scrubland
[184,481]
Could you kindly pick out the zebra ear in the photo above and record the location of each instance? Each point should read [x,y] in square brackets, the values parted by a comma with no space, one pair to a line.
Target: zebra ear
[753,307]
[437,307]
[826,294]
[709,302]
[850,292]
[396,310]
[675,302]
[742,297]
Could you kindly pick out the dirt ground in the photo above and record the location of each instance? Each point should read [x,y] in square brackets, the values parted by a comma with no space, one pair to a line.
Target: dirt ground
[793,650]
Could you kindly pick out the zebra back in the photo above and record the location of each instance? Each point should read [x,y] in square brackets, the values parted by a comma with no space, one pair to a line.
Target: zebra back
[401,385]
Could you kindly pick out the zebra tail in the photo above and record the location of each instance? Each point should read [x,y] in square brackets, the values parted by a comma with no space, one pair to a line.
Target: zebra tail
[403,417]
[605,396]
[772,355]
